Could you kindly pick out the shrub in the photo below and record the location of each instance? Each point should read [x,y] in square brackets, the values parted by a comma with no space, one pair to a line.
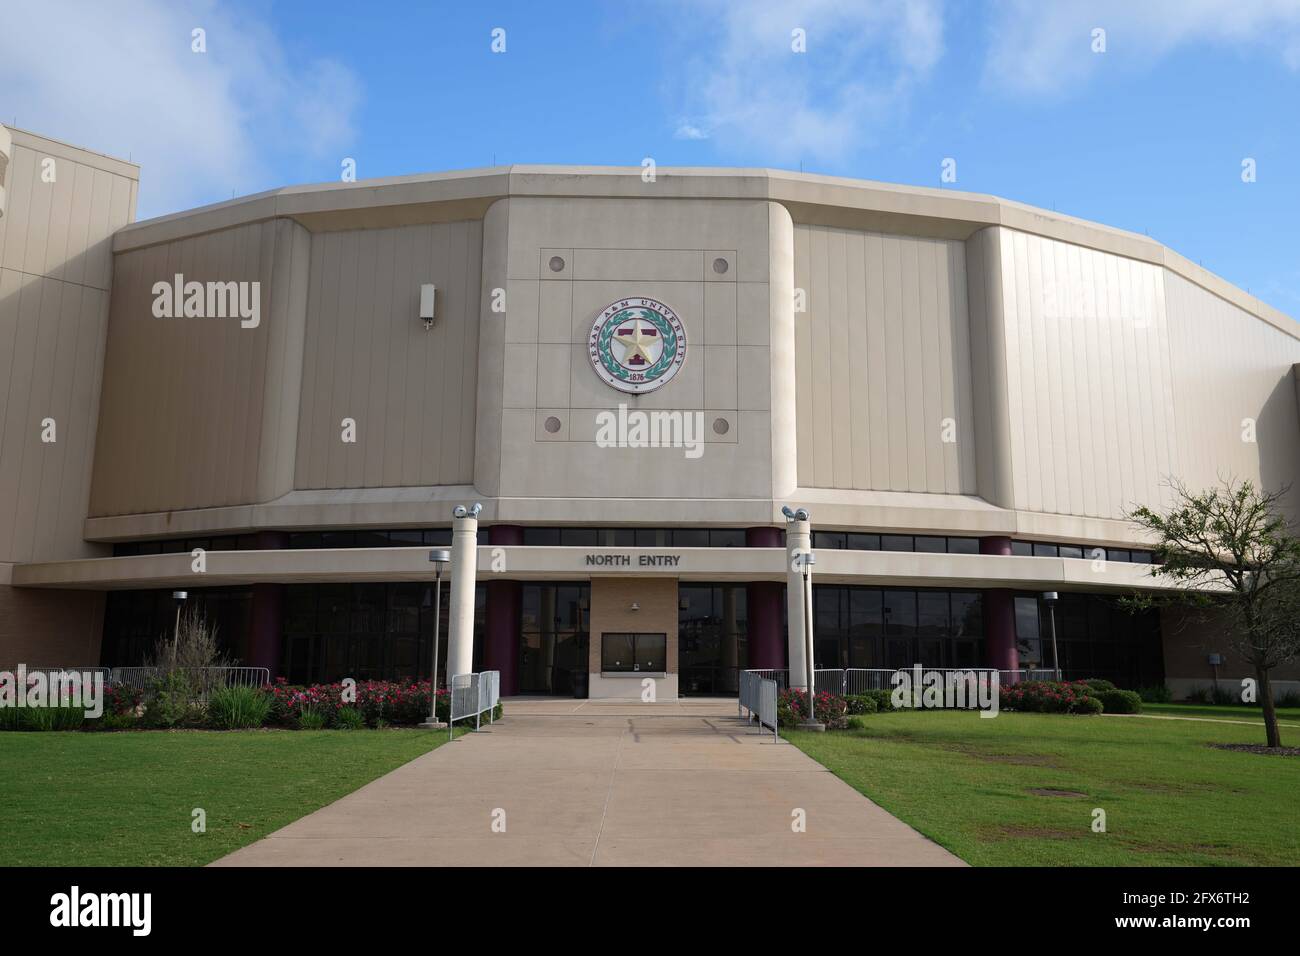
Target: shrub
[855,722]
[170,703]
[1091,705]
[349,718]
[861,704]
[831,709]
[883,700]
[309,718]
[238,708]
[1097,684]
[1224,695]
[1120,701]
[1156,694]
[1199,695]
[112,721]
[51,718]
[1049,697]
[1289,699]
[122,699]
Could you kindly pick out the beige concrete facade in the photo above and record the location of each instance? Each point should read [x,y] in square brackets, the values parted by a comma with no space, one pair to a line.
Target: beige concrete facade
[894,359]
[59,209]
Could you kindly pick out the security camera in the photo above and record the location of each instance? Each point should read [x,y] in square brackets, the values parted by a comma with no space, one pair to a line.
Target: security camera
[460,512]
[788,512]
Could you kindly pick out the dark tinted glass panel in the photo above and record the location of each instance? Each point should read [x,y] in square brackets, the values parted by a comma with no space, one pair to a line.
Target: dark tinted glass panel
[578,537]
[1071,551]
[1117,554]
[932,613]
[896,542]
[338,539]
[963,546]
[1045,550]
[931,545]
[829,540]
[967,614]
[305,540]
[863,542]
[617,652]
[1022,549]
[727,538]
[1140,557]
[542,537]
[900,613]
[651,537]
[652,652]
[441,537]
[690,538]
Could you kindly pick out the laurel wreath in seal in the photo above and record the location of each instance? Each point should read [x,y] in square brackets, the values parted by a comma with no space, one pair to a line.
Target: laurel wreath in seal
[665,332]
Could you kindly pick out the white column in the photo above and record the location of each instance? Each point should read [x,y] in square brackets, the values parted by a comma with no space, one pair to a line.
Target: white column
[464,568]
[798,540]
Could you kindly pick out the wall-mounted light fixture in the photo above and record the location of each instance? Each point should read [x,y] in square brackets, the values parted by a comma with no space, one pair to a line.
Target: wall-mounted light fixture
[427,297]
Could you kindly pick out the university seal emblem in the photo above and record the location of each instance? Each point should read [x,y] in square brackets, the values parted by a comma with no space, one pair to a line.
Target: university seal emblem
[637,345]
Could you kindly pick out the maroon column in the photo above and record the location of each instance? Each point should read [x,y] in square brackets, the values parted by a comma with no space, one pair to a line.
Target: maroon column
[503,613]
[266,633]
[766,622]
[999,615]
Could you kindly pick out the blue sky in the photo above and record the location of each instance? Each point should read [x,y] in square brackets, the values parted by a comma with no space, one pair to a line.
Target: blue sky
[1149,135]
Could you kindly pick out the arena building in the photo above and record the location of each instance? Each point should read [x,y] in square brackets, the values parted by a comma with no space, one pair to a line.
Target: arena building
[275,403]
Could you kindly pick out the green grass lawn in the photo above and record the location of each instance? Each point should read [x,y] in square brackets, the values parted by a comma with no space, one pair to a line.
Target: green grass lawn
[1231,711]
[1170,799]
[125,799]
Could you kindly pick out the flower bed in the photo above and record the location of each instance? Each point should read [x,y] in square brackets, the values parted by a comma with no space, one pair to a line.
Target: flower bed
[1050,697]
[792,707]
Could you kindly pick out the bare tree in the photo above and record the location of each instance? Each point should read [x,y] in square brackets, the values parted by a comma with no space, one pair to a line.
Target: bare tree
[1229,547]
[193,645]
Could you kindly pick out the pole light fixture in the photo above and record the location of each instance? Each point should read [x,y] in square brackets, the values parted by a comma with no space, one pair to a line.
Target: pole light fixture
[1050,598]
[439,558]
[179,597]
[804,565]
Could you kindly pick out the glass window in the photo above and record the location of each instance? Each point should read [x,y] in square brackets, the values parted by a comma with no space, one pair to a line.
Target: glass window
[726,538]
[542,537]
[963,545]
[652,652]
[931,545]
[967,614]
[651,537]
[338,539]
[1117,554]
[1140,557]
[863,542]
[932,614]
[304,540]
[617,652]
[626,653]
[1022,549]
[1071,551]
[440,537]
[1045,550]
[578,537]
[896,542]
[829,540]
[689,538]
[900,613]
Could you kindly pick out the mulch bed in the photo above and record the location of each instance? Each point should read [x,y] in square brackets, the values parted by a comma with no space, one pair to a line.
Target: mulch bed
[1260,749]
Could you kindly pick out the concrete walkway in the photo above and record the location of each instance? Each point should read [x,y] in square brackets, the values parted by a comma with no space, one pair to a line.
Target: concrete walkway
[603,783]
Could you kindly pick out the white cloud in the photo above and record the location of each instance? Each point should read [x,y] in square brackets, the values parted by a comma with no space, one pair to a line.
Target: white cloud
[120,78]
[689,131]
[741,81]
[1037,47]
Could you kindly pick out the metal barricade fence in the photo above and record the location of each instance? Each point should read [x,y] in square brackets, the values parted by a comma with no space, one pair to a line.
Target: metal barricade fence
[758,695]
[203,680]
[781,676]
[471,695]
